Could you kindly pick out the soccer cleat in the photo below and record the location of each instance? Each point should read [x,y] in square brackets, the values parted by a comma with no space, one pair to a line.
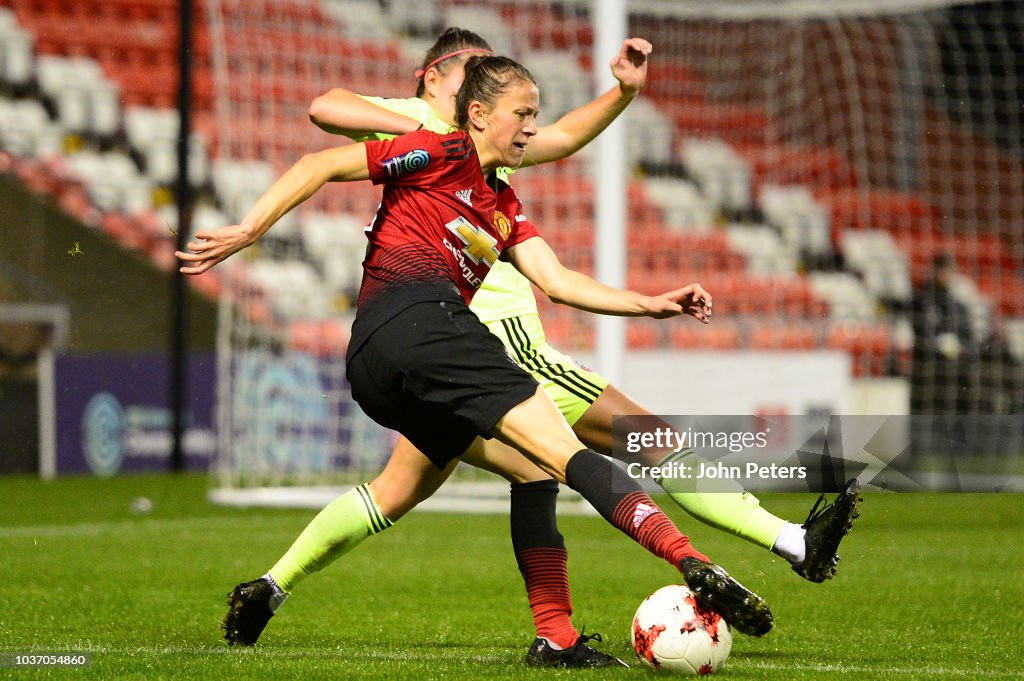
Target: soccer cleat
[579,656]
[741,608]
[825,527]
[250,607]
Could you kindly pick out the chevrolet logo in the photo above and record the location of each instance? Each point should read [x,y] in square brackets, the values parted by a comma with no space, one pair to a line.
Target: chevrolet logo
[479,244]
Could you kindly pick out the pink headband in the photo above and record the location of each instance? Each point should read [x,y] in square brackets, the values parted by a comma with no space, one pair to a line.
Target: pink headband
[420,72]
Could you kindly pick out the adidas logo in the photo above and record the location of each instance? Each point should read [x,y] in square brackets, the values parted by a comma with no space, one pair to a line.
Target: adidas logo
[642,512]
[465,195]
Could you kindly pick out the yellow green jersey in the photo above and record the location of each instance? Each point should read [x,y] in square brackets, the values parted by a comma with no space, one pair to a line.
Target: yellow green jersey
[505,292]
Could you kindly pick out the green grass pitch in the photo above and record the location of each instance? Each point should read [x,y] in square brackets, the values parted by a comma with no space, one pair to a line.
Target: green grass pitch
[930,587]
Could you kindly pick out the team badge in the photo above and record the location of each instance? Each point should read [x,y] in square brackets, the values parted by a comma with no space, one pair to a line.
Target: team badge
[502,224]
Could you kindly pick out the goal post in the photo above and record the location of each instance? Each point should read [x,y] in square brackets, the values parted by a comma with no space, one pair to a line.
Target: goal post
[806,162]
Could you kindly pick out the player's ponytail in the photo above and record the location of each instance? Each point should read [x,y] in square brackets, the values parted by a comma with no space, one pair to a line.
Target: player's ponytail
[487,78]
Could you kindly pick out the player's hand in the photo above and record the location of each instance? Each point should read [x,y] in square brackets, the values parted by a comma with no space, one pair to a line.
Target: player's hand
[209,248]
[692,300]
[630,65]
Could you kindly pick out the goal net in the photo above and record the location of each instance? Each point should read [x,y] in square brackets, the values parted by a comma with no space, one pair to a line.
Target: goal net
[289,432]
[808,163]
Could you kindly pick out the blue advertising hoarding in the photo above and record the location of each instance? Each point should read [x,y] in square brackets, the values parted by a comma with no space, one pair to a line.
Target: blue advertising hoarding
[113,415]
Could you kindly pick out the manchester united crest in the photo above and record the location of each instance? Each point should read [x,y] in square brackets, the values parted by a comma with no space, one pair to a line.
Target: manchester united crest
[502,224]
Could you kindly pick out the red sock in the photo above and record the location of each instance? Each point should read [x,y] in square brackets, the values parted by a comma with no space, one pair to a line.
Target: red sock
[547,588]
[622,502]
[541,555]
[637,515]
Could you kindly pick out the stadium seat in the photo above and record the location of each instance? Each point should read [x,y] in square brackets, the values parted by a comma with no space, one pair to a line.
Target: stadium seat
[734,123]
[791,336]
[682,204]
[803,222]
[889,210]
[551,28]
[415,17]
[883,267]
[17,62]
[563,82]
[239,183]
[765,252]
[817,168]
[649,134]
[869,346]
[26,129]
[642,334]
[674,85]
[718,335]
[485,21]
[724,177]
[1006,290]
[363,19]
[847,296]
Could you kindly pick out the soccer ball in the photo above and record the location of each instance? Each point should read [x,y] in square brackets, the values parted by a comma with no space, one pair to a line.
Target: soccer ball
[673,633]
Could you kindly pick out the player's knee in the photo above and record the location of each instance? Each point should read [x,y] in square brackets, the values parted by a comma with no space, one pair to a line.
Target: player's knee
[393,498]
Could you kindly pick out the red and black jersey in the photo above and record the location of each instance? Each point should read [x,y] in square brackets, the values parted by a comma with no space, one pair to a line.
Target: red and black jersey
[440,222]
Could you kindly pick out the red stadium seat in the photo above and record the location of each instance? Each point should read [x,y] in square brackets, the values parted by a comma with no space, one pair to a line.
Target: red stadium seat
[674,85]
[643,334]
[736,124]
[784,337]
[819,168]
[688,335]
[869,346]
[893,211]
[1006,291]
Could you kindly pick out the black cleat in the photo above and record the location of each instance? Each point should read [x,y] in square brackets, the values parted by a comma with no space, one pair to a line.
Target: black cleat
[579,656]
[741,608]
[825,527]
[250,607]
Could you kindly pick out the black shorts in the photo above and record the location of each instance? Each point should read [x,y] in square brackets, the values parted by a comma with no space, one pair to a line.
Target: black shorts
[434,373]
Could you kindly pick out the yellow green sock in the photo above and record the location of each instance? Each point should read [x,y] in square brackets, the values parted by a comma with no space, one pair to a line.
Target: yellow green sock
[738,512]
[335,531]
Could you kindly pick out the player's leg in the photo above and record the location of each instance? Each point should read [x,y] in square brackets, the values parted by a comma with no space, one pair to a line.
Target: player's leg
[408,478]
[537,429]
[538,545]
[738,512]
[810,548]
[541,556]
[588,402]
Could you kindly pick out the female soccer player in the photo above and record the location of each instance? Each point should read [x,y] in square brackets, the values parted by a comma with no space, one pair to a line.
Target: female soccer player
[420,361]
[505,303]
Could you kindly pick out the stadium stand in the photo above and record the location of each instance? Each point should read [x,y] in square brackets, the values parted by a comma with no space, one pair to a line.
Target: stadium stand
[778,229]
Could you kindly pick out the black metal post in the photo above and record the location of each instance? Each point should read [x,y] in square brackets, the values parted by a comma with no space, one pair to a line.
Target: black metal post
[183,198]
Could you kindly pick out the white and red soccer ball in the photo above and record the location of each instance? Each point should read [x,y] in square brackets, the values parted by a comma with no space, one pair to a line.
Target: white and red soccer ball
[673,633]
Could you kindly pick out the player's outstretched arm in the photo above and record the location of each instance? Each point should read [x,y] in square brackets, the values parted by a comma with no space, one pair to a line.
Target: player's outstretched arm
[574,130]
[343,112]
[535,259]
[301,181]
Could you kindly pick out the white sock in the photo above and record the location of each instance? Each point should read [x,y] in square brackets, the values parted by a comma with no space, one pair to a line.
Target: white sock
[790,543]
[553,645]
[279,596]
